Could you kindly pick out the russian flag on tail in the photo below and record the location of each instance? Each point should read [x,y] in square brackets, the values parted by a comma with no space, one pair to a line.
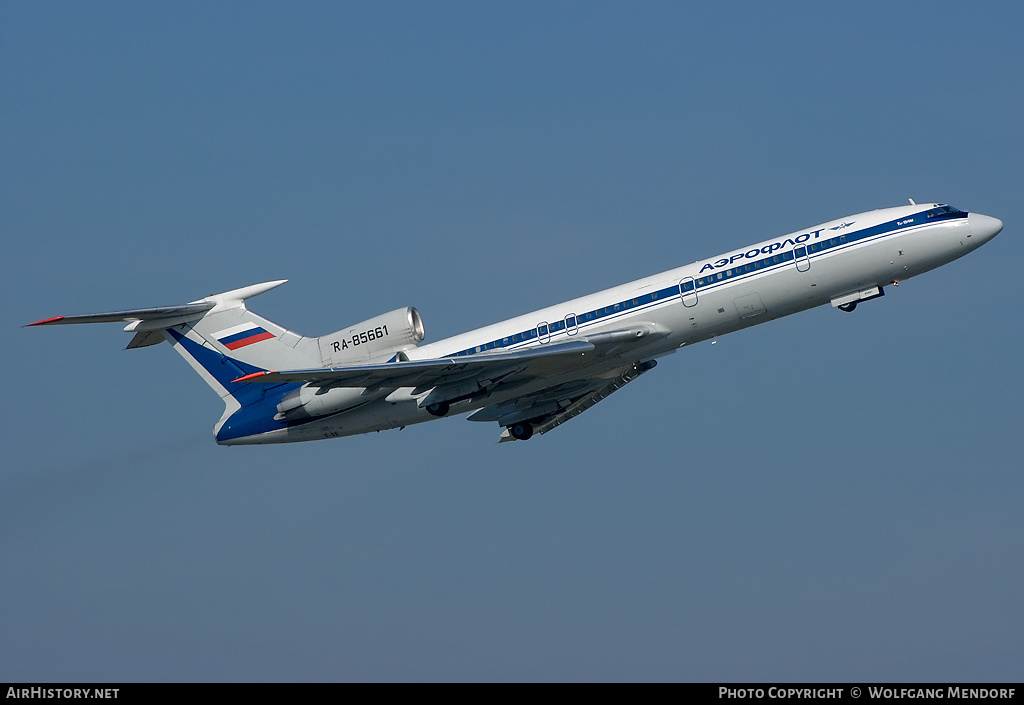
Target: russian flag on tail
[240,336]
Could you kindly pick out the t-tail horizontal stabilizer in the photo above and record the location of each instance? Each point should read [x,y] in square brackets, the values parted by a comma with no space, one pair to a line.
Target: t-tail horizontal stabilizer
[147,323]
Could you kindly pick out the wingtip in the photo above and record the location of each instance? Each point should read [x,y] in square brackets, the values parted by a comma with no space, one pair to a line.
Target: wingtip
[45,321]
[254,375]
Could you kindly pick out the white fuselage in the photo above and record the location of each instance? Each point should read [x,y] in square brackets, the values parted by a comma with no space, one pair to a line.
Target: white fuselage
[697,301]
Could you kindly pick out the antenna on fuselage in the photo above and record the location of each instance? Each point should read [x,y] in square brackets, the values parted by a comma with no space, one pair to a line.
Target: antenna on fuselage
[912,201]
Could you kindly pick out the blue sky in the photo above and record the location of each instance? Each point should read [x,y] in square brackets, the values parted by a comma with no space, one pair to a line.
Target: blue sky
[828,497]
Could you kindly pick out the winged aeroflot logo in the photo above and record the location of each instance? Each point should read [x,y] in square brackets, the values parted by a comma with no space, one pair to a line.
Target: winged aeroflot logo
[843,225]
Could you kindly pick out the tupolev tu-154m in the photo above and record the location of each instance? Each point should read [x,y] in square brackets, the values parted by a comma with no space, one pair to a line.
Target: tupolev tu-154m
[534,372]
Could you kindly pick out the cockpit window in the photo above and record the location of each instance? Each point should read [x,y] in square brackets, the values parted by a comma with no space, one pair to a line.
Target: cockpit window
[941,211]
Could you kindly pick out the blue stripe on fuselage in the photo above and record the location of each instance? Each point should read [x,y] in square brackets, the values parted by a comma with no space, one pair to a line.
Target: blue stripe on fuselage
[723,274]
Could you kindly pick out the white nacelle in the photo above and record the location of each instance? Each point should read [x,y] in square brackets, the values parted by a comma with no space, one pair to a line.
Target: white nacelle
[376,338]
[319,401]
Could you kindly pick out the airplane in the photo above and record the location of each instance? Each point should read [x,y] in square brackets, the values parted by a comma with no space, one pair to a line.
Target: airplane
[532,373]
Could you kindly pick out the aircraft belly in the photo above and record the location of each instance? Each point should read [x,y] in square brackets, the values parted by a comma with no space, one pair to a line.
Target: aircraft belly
[378,415]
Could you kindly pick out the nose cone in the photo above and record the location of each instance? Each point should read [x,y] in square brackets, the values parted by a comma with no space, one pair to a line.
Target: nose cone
[984,227]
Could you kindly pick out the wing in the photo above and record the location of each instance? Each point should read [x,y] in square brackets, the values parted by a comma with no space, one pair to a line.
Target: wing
[435,372]
[587,371]
[550,408]
[417,373]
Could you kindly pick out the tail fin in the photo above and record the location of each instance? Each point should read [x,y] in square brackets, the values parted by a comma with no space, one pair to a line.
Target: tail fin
[222,341]
[239,336]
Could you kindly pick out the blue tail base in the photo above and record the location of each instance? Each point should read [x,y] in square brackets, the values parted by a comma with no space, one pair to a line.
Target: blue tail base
[258,401]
